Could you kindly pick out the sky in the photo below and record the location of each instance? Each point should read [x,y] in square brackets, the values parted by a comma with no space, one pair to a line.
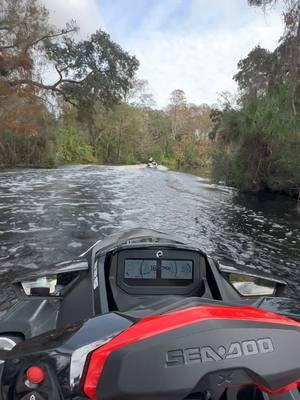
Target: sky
[193,45]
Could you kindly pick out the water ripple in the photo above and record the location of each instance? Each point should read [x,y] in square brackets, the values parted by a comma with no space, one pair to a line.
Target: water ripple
[47,216]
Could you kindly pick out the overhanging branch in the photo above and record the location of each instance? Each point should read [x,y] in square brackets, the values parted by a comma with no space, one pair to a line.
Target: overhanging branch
[52,36]
[54,86]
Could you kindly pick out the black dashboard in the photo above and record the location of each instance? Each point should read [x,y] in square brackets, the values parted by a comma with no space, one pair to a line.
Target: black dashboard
[156,270]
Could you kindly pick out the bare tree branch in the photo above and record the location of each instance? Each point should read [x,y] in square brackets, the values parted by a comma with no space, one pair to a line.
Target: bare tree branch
[60,71]
[53,87]
[52,36]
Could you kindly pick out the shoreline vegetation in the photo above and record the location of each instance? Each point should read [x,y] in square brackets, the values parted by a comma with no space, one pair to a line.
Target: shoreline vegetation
[98,112]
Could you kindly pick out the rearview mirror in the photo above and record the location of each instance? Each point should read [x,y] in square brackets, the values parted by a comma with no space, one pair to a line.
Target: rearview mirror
[52,285]
[41,286]
[248,285]
[249,282]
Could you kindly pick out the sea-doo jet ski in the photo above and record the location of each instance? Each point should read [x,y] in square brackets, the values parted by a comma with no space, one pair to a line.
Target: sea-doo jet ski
[142,315]
[152,163]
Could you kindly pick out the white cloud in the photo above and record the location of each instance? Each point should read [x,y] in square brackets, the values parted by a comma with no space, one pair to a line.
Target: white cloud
[201,64]
[197,52]
[85,12]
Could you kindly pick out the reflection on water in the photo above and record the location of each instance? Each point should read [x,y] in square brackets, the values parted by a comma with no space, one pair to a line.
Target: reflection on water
[47,216]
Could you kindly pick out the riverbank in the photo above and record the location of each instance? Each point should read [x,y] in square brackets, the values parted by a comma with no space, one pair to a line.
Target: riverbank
[197,171]
[207,173]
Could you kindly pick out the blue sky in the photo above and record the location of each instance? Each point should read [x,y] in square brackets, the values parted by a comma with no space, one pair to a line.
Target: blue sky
[129,17]
[193,45]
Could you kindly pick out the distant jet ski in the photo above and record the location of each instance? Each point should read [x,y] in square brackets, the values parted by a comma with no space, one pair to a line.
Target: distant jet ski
[152,164]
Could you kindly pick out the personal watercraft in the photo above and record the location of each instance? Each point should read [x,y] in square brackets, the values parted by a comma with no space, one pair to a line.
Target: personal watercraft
[142,315]
[152,164]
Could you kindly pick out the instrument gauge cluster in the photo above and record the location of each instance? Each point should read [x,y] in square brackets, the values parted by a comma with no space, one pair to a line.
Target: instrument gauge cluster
[150,270]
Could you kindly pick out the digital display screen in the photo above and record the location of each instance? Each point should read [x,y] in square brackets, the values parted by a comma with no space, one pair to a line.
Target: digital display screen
[158,269]
[177,269]
[140,269]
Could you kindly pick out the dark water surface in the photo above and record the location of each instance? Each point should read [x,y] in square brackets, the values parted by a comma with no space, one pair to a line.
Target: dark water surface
[47,216]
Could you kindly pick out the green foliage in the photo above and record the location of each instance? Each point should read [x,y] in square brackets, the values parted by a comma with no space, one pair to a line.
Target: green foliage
[259,145]
[72,148]
[168,162]
[256,72]
[102,70]
[92,74]
[37,151]
[93,69]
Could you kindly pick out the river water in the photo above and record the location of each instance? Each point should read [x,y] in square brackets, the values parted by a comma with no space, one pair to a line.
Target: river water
[47,216]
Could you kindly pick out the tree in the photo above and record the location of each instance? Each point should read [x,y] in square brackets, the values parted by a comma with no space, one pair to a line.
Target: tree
[96,67]
[256,72]
[259,146]
[24,31]
[198,122]
[178,98]
[105,73]
[21,23]
[291,41]
[177,111]
[261,3]
[100,69]
[92,75]
[139,95]
[156,139]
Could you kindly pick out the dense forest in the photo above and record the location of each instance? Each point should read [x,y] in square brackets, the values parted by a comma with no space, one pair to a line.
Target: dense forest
[94,109]
[258,146]
[68,100]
